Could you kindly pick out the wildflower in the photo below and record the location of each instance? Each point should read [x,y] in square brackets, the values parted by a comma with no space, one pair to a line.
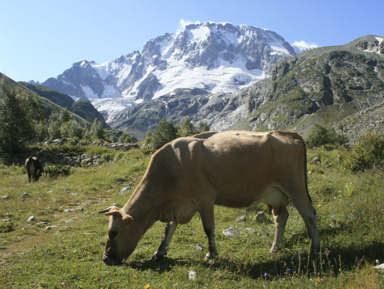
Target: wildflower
[146,286]
[319,205]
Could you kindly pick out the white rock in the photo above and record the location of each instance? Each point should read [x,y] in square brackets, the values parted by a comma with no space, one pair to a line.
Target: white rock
[199,247]
[192,275]
[124,190]
[380,268]
[229,232]
[31,219]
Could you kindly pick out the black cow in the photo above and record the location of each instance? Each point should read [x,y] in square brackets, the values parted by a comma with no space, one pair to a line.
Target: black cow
[34,168]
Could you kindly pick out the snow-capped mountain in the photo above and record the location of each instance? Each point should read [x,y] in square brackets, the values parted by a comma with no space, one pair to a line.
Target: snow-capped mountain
[214,57]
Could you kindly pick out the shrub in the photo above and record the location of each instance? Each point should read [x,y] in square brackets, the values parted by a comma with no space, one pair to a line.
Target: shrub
[125,138]
[367,153]
[54,171]
[6,226]
[320,135]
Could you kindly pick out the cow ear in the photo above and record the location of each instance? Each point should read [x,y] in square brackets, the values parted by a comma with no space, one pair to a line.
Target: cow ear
[128,219]
[113,212]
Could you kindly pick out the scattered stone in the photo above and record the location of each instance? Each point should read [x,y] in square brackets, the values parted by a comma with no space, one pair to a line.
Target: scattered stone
[6,220]
[31,219]
[70,221]
[230,232]
[51,227]
[124,190]
[73,210]
[380,268]
[24,196]
[192,275]
[199,247]
[250,230]
[242,218]
[315,160]
[42,223]
[260,217]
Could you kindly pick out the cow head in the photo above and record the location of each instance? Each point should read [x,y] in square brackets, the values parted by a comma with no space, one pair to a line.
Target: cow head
[123,236]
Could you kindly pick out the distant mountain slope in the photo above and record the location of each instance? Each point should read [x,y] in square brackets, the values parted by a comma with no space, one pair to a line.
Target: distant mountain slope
[82,108]
[342,86]
[331,85]
[214,57]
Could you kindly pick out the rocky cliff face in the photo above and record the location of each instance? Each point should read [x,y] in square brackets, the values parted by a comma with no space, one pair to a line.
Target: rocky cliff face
[332,85]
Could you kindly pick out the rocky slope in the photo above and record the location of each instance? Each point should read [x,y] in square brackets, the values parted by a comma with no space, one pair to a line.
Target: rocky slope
[338,86]
[82,108]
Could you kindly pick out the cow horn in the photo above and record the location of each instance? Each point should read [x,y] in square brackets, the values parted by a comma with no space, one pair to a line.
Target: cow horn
[113,211]
[106,210]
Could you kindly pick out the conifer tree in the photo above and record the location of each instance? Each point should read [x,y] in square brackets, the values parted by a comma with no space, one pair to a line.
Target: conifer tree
[187,128]
[165,133]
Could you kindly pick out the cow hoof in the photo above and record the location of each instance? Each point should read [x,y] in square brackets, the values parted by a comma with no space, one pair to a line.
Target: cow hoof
[210,256]
[156,258]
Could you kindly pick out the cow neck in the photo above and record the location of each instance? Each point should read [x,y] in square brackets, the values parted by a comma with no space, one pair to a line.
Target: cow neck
[141,207]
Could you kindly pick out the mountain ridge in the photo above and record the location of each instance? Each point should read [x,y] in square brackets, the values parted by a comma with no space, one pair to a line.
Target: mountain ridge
[328,85]
[216,57]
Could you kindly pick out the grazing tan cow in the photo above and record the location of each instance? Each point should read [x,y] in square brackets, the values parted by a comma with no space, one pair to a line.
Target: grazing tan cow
[192,174]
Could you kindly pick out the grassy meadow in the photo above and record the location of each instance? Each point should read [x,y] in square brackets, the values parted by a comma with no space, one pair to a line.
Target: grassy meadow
[62,245]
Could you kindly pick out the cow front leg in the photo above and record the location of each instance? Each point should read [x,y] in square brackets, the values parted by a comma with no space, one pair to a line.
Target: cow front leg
[207,217]
[163,248]
[280,216]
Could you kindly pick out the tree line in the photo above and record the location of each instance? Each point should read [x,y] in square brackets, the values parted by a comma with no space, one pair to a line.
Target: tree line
[23,119]
[168,131]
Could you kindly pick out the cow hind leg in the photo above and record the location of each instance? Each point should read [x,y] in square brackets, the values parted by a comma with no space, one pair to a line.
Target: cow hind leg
[164,246]
[280,215]
[308,213]
[207,217]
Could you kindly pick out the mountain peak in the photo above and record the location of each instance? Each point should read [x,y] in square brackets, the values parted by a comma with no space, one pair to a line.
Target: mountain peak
[214,57]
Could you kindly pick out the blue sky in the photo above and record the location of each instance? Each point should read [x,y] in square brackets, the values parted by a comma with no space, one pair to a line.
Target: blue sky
[42,38]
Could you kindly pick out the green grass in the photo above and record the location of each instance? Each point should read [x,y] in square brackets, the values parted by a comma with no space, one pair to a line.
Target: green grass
[68,254]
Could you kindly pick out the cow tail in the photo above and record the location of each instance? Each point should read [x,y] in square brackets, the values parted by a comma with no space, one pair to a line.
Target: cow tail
[306,172]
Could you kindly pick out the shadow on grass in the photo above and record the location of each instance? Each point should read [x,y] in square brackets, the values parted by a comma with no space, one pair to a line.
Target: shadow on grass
[330,263]
[163,265]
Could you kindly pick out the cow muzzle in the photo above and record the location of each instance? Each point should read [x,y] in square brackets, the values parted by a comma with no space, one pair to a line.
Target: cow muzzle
[108,260]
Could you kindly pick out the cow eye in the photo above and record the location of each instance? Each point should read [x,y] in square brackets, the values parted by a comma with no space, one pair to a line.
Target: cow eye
[112,234]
